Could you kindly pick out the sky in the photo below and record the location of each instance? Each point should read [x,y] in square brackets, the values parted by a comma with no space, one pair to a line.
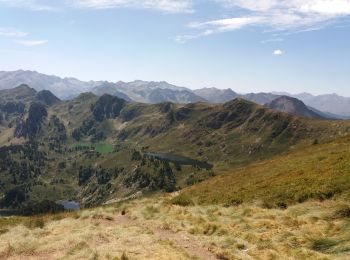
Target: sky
[247,45]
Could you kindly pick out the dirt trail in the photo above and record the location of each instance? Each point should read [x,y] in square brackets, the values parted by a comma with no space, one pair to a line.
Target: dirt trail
[180,239]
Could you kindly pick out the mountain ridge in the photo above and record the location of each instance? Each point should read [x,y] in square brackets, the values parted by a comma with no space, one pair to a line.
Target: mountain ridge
[332,105]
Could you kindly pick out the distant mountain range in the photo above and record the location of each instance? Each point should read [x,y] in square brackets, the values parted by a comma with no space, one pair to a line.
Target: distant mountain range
[326,106]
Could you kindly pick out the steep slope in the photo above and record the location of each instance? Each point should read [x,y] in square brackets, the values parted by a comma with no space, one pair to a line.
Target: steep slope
[292,106]
[320,171]
[215,95]
[31,126]
[15,102]
[47,98]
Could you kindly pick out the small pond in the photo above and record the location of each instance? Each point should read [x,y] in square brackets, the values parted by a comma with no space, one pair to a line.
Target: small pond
[180,160]
[70,205]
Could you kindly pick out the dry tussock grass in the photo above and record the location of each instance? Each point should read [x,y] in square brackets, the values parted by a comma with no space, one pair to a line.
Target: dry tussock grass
[251,231]
[311,230]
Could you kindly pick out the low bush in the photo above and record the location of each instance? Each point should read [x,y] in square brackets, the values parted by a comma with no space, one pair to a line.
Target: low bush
[182,200]
[323,245]
[342,212]
[35,223]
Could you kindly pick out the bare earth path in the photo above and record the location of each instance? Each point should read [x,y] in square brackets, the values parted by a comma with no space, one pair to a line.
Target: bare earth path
[179,239]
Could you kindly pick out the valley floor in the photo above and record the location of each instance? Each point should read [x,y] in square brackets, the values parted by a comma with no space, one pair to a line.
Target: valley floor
[153,228]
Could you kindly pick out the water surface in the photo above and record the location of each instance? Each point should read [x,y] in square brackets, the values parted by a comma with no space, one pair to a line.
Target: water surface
[182,160]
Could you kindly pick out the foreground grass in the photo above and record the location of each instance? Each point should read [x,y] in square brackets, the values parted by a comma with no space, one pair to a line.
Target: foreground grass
[90,234]
[310,230]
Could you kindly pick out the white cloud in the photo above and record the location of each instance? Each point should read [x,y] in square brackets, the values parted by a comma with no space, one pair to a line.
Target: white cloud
[278,52]
[32,42]
[327,7]
[171,6]
[323,7]
[278,15]
[10,32]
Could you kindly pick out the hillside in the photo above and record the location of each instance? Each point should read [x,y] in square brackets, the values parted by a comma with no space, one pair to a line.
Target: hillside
[93,149]
[320,171]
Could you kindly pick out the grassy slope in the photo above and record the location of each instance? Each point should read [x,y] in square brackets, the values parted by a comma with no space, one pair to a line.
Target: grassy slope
[319,171]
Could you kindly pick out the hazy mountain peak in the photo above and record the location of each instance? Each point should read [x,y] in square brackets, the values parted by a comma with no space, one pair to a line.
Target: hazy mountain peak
[25,87]
[216,95]
[292,106]
[46,97]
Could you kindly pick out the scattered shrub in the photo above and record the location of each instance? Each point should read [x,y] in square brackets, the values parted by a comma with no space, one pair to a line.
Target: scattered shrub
[233,202]
[124,257]
[323,245]
[149,212]
[3,231]
[35,223]
[182,200]
[281,205]
[342,212]
[209,229]
[240,246]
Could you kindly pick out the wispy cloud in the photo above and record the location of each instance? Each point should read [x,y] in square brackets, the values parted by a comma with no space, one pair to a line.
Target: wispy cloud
[272,40]
[171,6]
[32,42]
[276,15]
[224,25]
[217,26]
[11,32]
[35,5]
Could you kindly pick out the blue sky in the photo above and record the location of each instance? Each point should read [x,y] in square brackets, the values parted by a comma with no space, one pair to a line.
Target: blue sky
[247,45]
